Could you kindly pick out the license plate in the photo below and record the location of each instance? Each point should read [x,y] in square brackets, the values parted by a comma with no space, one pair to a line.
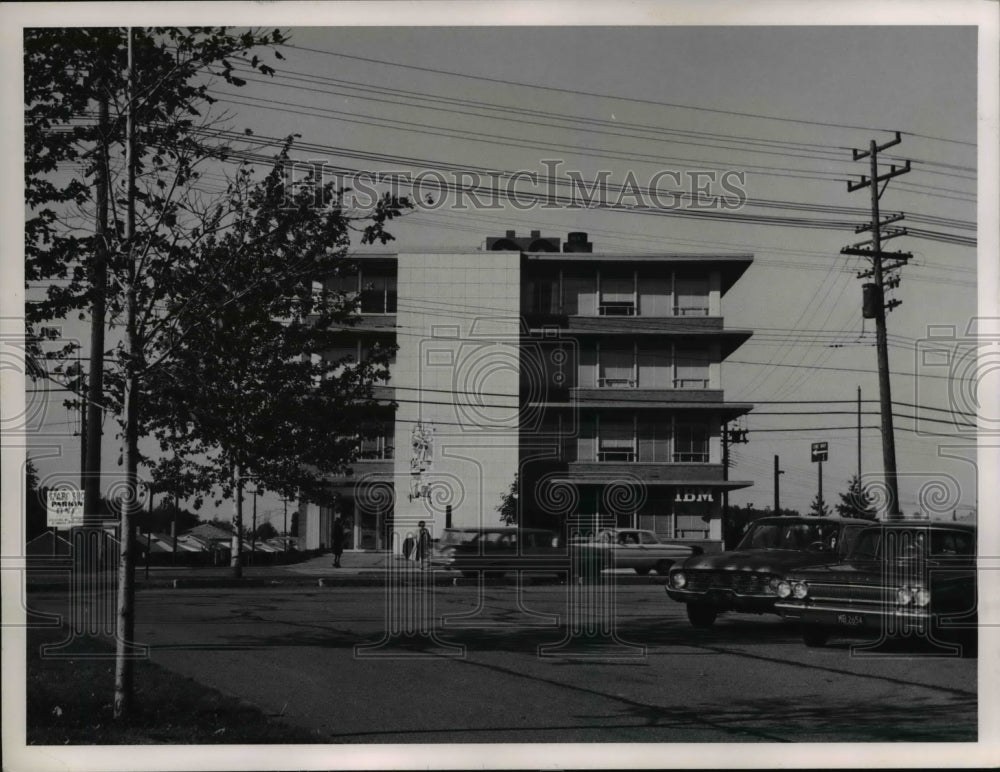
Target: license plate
[851,620]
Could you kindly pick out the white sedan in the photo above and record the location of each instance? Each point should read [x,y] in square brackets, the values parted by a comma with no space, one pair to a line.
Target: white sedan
[632,548]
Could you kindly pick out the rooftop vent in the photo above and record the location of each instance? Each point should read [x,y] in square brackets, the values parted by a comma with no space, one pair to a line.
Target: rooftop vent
[512,242]
[577,242]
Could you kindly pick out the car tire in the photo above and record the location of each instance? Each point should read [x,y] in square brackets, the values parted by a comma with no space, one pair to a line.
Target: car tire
[701,614]
[663,566]
[815,637]
[642,571]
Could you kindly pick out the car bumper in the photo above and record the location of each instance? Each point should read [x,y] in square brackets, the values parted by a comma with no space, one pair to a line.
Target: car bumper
[725,600]
[845,616]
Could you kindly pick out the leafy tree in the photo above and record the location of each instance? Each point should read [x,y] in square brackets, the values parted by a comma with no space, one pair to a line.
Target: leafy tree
[149,89]
[508,507]
[816,507]
[251,394]
[856,501]
[167,512]
[265,531]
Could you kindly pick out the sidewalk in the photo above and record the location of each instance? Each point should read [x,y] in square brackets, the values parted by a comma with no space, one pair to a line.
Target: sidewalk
[358,569]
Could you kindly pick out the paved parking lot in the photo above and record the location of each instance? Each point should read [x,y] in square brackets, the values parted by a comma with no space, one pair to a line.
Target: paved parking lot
[541,663]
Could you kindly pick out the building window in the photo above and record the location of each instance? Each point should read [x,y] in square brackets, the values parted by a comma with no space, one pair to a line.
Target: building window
[691,297]
[346,283]
[691,443]
[375,448]
[617,295]
[378,293]
[616,367]
[616,440]
[690,369]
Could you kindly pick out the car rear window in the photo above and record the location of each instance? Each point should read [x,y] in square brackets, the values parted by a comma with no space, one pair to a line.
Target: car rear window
[904,543]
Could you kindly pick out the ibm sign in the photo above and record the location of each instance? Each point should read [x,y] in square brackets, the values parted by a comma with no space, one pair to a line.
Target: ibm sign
[686,495]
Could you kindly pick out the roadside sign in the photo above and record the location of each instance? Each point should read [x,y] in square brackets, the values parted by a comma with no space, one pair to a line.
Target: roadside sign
[820,451]
[64,508]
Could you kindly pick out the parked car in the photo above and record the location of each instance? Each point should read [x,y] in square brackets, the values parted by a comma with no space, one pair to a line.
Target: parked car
[746,578]
[631,548]
[497,551]
[899,578]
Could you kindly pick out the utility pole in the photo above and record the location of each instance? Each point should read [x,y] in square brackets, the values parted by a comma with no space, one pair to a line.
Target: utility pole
[725,472]
[777,498]
[875,305]
[859,435]
[821,485]
[253,533]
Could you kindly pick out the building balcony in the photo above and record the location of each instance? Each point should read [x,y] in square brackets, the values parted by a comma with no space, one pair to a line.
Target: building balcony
[661,473]
[638,397]
[622,317]
[377,322]
[384,393]
[361,469]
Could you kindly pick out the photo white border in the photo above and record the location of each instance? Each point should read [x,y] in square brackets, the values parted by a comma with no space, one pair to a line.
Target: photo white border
[14,16]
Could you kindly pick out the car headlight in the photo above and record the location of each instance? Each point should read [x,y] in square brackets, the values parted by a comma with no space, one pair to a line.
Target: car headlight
[678,579]
[772,584]
[784,589]
[799,590]
[918,596]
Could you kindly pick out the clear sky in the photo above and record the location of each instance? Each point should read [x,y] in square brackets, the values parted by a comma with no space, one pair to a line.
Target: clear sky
[782,106]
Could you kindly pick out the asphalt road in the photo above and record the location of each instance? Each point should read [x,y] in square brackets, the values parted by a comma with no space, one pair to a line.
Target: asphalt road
[544,663]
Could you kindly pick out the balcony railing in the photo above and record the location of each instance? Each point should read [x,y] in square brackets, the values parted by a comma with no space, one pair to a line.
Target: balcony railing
[695,457]
[619,456]
[368,453]
[616,383]
[690,383]
[691,310]
[616,308]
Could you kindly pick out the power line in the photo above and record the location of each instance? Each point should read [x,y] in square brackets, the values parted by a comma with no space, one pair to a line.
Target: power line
[579,92]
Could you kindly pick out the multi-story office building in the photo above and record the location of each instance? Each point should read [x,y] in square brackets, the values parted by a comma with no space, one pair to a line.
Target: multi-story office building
[592,378]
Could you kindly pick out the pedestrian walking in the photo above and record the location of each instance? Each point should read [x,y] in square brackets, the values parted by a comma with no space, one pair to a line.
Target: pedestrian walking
[338,541]
[423,544]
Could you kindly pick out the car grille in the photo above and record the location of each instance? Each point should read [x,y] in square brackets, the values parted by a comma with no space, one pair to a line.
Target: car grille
[740,582]
[855,593]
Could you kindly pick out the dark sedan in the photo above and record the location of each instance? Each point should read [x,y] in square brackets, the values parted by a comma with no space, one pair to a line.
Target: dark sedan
[746,578]
[912,578]
[494,552]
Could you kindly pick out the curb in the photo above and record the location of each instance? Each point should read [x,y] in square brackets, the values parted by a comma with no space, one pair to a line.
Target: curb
[375,578]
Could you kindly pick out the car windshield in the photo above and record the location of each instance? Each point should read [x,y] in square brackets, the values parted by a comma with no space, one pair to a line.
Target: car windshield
[790,536]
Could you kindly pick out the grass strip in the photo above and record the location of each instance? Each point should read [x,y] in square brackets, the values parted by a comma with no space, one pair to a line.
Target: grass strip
[70,702]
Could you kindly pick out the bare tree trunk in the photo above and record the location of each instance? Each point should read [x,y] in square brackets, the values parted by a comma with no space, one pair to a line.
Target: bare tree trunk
[236,560]
[125,623]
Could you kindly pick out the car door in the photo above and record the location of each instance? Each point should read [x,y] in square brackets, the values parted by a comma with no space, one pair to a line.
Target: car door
[628,551]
